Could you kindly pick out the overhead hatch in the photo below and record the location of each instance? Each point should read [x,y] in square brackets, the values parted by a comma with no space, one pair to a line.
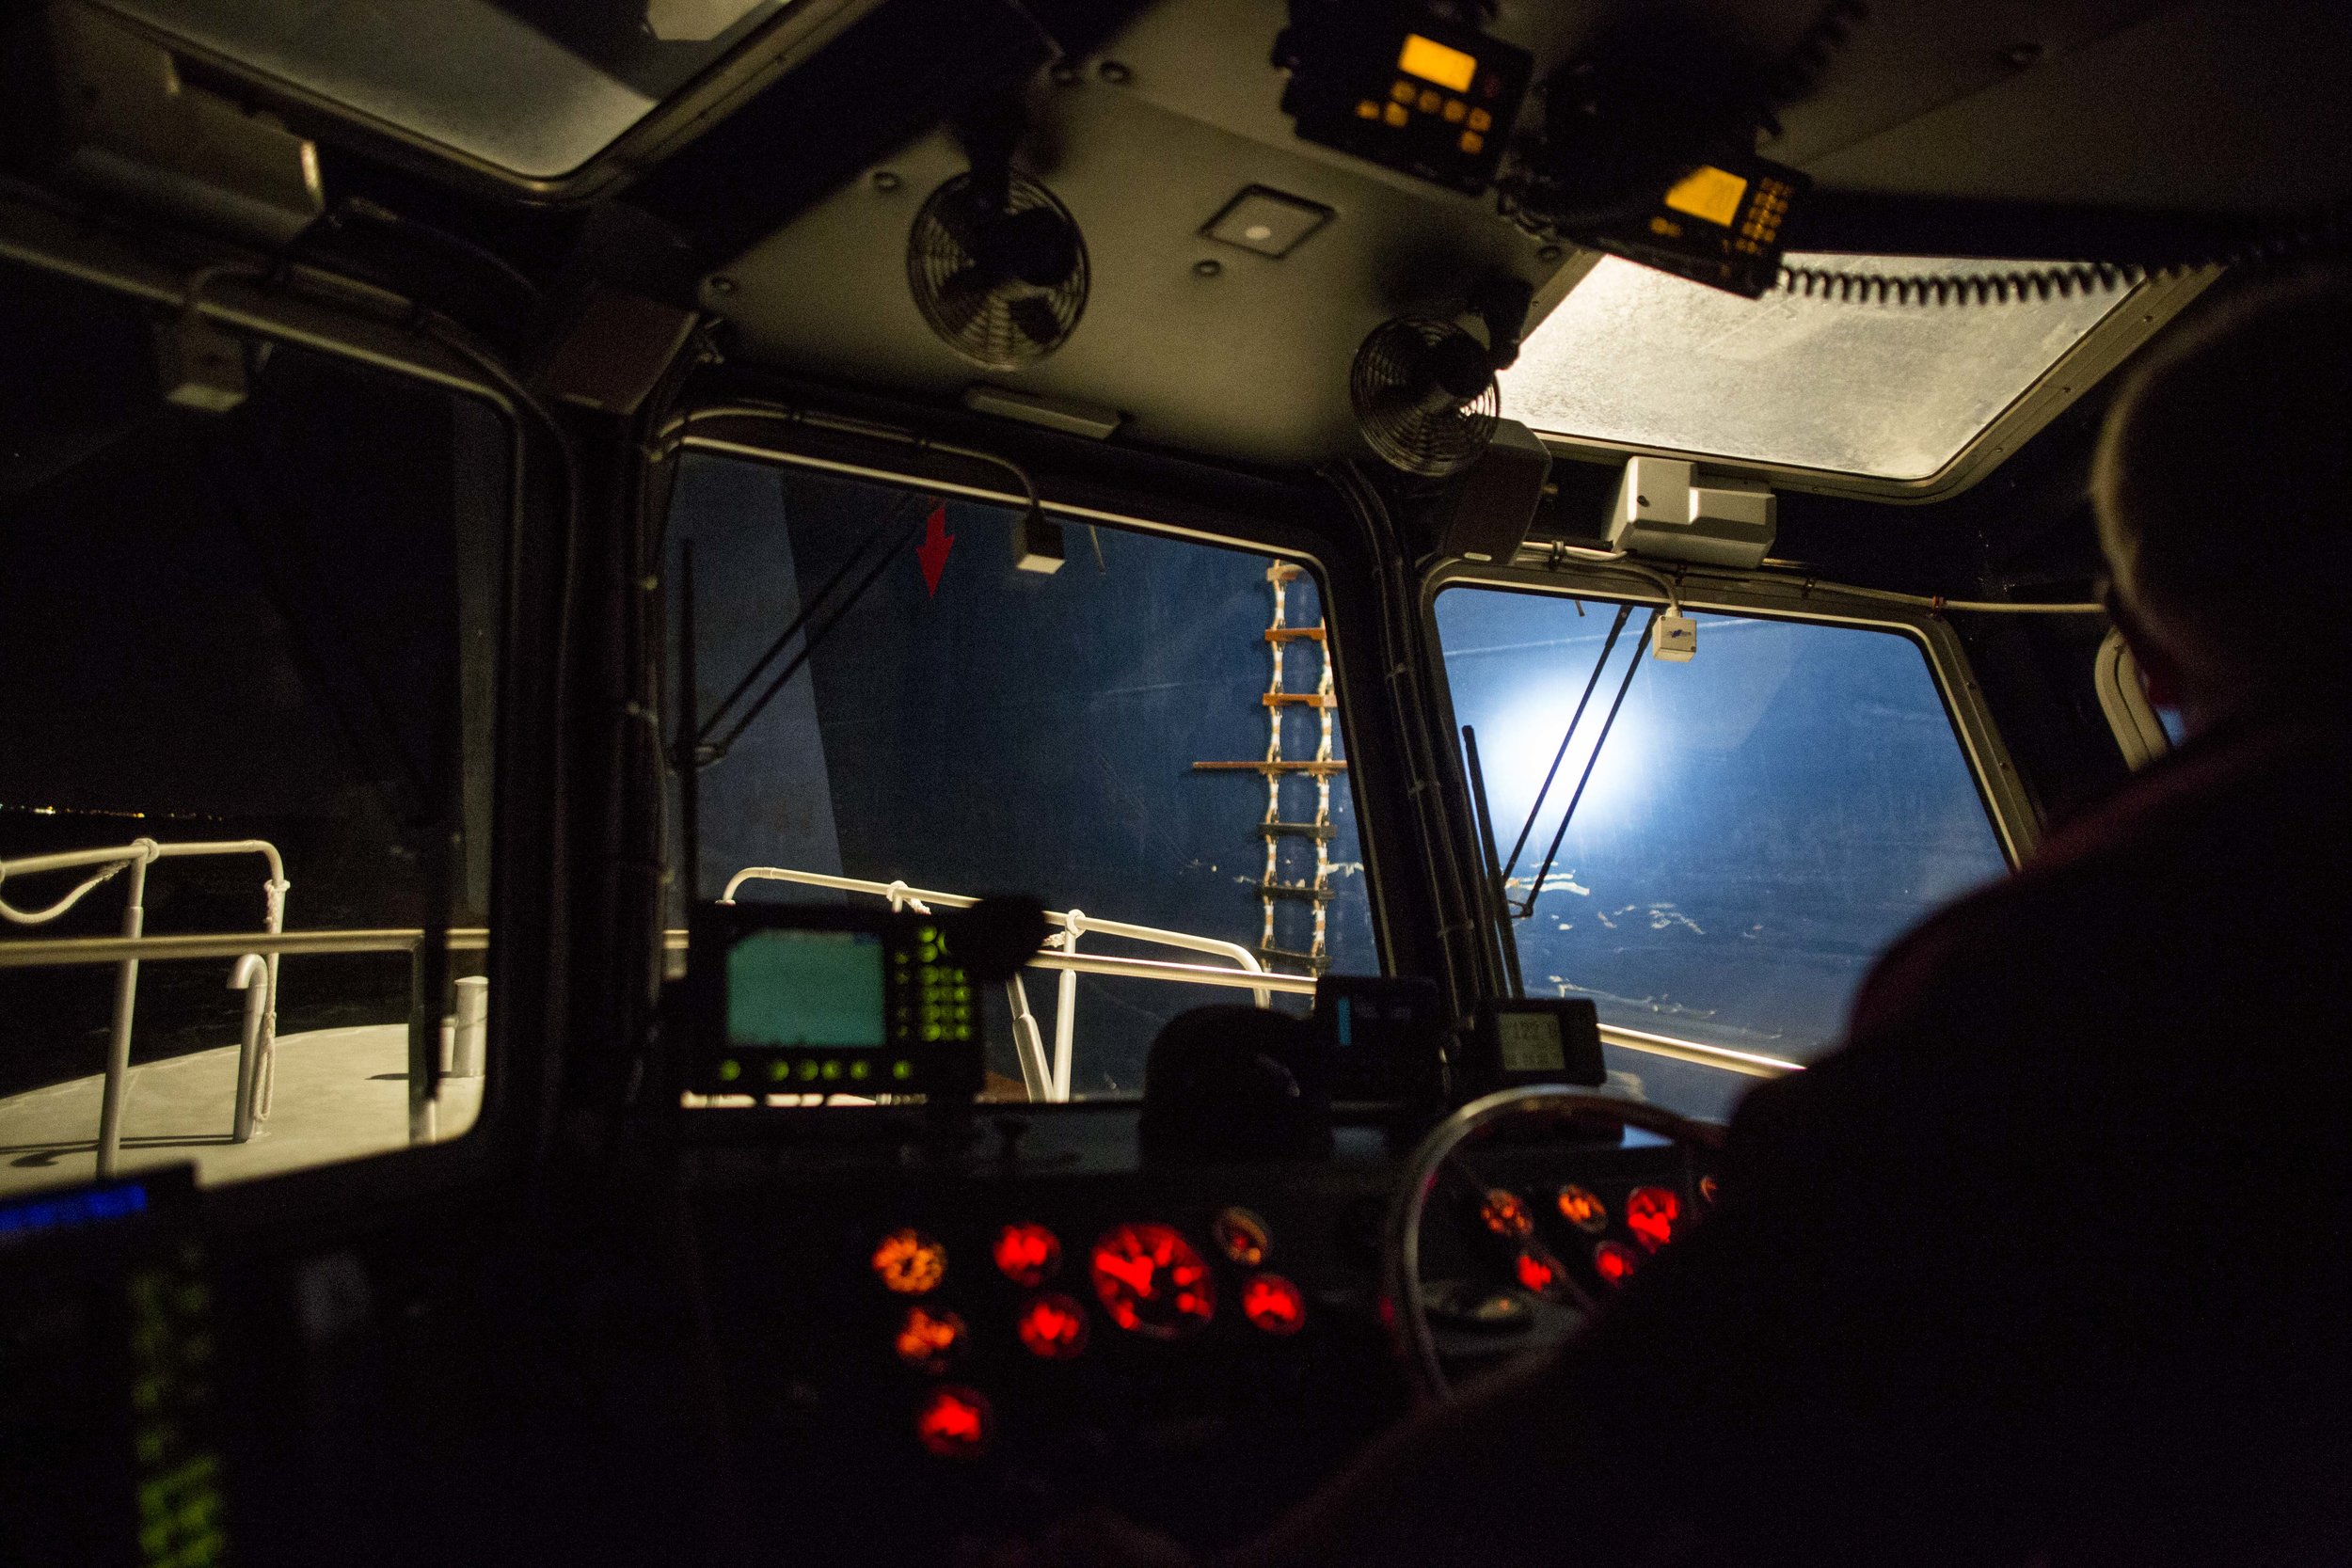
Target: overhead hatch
[1897,398]
[535,90]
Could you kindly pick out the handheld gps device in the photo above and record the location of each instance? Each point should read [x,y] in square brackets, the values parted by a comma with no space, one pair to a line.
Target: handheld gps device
[792,1003]
[1534,1039]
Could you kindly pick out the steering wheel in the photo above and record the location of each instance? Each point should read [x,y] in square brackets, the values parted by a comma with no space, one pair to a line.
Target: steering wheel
[1407,1313]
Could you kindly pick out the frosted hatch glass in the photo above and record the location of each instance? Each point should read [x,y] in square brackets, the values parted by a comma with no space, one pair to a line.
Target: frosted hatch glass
[1891,391]
[535,87]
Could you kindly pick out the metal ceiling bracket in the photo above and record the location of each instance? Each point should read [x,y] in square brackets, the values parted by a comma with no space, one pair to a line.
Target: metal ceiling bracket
[121,121]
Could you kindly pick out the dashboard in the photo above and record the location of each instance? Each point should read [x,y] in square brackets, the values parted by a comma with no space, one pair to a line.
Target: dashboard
[924,1358]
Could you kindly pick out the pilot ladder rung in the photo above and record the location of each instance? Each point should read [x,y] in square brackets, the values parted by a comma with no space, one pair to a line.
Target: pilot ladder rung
[1303,830]
[1306,893]
[1317,962]
[1299,699]
[1294,634]
[1276,765]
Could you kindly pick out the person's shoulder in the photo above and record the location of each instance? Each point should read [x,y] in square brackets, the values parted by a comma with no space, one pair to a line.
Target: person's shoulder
[2259,775]
[2229,862]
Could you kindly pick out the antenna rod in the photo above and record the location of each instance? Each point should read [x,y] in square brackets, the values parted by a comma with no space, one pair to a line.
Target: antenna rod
[682,756]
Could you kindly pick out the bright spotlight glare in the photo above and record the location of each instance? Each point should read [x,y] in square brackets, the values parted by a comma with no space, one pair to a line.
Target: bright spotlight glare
[1516,744]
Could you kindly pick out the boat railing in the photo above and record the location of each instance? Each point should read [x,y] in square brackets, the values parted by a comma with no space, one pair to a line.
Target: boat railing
[255,957]
[252,974]
[1048,1078]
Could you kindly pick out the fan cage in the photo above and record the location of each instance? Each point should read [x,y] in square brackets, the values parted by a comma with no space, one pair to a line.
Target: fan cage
[991,336]
[1432,443]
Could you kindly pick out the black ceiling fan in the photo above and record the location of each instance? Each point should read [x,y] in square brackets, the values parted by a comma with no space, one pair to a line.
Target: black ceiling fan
[1423,386]
[996,261]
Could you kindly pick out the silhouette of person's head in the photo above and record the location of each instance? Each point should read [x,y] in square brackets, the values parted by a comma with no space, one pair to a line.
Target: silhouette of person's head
[2223,490]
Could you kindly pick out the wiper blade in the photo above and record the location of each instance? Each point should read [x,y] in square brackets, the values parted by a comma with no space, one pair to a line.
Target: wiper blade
[1557,757]
[708,751]
[1632,667]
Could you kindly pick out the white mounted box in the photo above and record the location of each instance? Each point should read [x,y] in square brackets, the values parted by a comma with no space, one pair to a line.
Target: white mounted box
[1670,508]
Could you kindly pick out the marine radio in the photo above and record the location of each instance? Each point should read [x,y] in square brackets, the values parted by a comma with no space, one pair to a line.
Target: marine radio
[799,1004]
[1406,91]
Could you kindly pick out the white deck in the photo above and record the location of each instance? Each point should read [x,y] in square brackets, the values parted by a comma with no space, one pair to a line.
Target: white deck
[341,1094]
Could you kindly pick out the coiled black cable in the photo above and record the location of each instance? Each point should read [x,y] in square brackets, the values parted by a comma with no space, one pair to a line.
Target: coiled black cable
[2312,235]
[2062,281]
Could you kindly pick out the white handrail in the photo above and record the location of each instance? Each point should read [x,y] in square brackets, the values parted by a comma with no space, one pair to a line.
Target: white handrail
[259,1041]
[1054,1075]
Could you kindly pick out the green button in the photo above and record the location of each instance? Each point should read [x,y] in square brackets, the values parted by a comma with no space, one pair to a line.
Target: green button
[730,1069]
[902,1070]
[833,1069]
[859,1070]
[779,1070]
[808,1069]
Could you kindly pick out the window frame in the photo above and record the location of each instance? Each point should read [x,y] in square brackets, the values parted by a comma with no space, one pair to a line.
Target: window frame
[1758,596]
[799,437]
[115,262]
[2139,735]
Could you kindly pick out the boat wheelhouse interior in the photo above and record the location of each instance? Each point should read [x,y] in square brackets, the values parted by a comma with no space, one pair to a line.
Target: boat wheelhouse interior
[783,780]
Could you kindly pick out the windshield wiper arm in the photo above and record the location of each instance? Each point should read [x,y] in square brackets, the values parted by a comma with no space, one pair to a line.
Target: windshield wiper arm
[707,751]
[1557,757]
[1632,667]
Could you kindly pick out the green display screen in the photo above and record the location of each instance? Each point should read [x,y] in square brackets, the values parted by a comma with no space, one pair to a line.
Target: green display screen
[805,988]
[1530,1043]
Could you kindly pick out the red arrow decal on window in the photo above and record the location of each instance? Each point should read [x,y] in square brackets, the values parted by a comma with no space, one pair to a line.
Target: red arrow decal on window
[933,551]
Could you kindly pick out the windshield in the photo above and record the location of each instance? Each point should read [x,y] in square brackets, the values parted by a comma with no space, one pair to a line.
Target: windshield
[1759,824]
[1148,736]
[247,698]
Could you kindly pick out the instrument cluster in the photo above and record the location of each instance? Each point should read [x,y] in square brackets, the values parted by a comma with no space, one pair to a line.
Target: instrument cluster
[1029,1304]
[1563,1240]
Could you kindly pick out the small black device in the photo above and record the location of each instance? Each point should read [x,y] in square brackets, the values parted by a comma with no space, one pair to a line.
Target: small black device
[791,1001]
[1489,510]
[1720,223]
[1402,90]
[1235,1083]
[1534,1039]
[1384,1037]
[109,1452]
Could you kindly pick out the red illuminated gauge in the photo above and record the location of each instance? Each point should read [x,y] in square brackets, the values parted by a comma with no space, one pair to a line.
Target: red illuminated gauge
[1537,1271]
[926,1340]
[1651,1214]
[1501,1212]
[1052,1326]
[910,1264]
[1151,1281]
[1241,1236]
[1583,1207]
[1274,1305]
[953,1423]
[1614,1260]
[1027,1254]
